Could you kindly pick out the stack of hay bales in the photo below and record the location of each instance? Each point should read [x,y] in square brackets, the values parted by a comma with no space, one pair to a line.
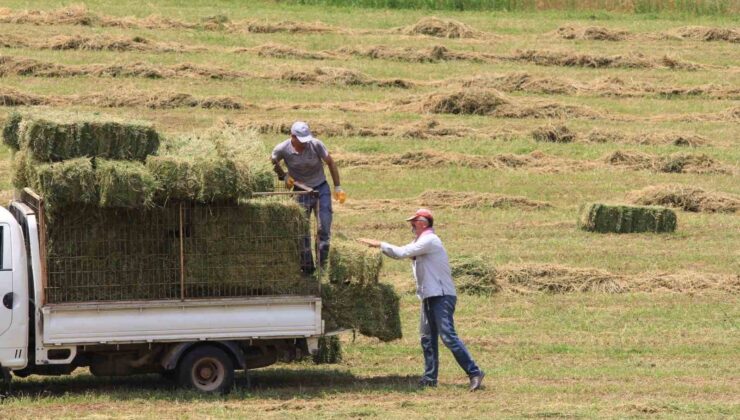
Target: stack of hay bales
[354,298]
[606,218]
[116,194]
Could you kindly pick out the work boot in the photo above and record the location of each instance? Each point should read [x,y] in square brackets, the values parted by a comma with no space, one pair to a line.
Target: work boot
[426,383]
[476,381]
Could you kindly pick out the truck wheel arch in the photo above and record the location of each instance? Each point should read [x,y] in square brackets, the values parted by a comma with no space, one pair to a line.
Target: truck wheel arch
[176,352]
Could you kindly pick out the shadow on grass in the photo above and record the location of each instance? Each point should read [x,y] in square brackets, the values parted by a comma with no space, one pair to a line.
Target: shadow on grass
[273,383]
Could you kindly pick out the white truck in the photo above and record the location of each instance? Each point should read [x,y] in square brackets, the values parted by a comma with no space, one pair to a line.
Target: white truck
[197,342]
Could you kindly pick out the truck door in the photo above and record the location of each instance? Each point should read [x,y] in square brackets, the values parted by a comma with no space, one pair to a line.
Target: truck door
[6,279]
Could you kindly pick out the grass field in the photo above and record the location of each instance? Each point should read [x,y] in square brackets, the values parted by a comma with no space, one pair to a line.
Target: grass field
[668,347]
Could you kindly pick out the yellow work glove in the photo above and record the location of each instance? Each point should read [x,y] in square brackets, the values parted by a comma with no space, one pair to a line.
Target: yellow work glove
[339,194]
[289,182]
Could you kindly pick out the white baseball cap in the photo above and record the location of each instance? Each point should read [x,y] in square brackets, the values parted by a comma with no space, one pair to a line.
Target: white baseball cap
[301,131]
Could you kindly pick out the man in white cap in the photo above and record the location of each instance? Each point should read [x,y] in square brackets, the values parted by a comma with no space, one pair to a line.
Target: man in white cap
[305,155]
[435,288]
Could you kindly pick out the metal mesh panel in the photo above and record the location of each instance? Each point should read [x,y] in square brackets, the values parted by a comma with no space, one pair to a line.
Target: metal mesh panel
[183,250]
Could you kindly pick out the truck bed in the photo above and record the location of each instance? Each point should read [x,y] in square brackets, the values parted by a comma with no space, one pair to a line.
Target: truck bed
[189,320]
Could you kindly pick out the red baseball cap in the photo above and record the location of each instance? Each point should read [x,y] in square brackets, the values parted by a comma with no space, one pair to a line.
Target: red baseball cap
[426,214]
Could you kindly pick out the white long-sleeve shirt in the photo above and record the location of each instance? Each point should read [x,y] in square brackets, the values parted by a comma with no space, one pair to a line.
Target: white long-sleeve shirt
[430,264]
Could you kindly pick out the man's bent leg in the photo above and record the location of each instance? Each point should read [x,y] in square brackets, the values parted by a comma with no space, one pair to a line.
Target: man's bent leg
[429,345]
[443,309]
[325,218]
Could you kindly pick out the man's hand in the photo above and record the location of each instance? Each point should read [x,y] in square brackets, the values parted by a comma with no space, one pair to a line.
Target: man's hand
[372,243]
[339,194]
[289,182]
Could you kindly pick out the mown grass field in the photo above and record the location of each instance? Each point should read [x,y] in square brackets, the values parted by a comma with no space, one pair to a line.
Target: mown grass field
[668,351]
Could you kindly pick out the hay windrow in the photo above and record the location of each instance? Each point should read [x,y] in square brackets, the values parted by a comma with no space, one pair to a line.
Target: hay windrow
[440,28]
[284,51]
[107,43]
[269,27]
[607,218]
[473,200]
[674,163]
[669,138]
[557,279]
[467,101]
[704,33]
[553,134]
[12,97]
[426,55]
[474,275]
[342,77]
[571,59]
[685,197]
[594,33]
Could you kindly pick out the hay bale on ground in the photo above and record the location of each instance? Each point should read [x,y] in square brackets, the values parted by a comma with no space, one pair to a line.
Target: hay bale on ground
[10,130]
[554,134]
[124,184]
[466,101]
[474,275]
[52,136]
[350,262]
[685,197]
[606,218]
[441,28]
[372,309]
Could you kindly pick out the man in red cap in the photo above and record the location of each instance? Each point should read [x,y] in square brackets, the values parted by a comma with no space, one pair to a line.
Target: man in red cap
[435,288]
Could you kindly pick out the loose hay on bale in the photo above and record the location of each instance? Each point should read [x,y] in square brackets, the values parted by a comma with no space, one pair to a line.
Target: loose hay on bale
[372,309]
[606,218]
[686,197]
[474,275]
[350,262]
[554,134]
[53,136]
[124,184]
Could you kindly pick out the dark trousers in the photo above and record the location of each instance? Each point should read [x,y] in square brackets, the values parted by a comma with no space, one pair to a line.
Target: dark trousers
[324,215]
[437,322]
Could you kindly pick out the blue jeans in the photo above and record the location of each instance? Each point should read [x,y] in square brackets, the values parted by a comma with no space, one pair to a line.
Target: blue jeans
[324,215]
[437,321]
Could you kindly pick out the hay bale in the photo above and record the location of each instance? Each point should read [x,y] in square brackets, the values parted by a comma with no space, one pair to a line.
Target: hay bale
[330,351]
[63,183]
[685,197]
[10,130]
[372,309]
[474,275]
[175,177]
[124,184]
[466,101]
[52,137]
[605,218]
[554,134]
[350,262]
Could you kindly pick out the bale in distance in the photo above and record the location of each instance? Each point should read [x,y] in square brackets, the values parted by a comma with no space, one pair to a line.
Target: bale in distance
[606,218]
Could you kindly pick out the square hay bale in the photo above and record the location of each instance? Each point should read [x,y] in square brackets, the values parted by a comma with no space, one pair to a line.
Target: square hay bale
[124,184]
[52,137]
[350,262]
[474,275]
[10,130]
[63,183]
[175,176]
[606,218]
[372,309]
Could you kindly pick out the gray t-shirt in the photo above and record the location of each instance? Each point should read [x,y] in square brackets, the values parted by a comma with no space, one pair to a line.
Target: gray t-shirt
[306,167]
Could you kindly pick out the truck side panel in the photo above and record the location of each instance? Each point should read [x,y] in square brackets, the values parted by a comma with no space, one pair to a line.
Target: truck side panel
[180,321]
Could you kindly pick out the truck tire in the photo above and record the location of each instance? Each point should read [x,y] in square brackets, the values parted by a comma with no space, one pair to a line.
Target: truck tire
[207,369]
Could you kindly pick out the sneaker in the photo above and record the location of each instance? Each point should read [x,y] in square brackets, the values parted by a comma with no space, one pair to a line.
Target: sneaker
[426,383]
[476,381]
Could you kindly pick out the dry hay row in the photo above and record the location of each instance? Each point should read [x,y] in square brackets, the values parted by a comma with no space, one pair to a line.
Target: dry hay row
[448,199]
[685,197]
[608,86]
[600,33]
[425,129]
[541,162]
[81,16]
[555,133]
[96,43]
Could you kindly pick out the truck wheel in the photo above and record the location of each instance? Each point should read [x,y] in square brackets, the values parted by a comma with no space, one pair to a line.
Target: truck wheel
[206,369]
